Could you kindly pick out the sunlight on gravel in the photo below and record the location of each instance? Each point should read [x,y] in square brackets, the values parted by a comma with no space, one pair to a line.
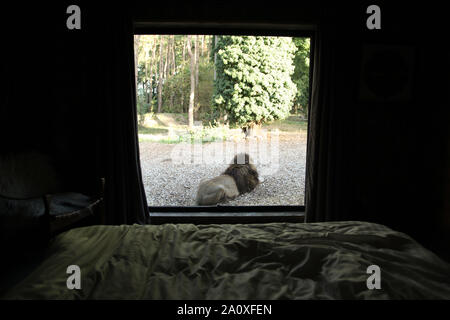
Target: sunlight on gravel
[172,172]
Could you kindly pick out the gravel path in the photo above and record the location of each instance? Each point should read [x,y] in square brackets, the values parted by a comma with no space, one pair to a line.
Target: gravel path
[172,172]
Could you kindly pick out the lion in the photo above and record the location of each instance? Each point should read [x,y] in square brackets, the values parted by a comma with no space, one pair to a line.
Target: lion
[240,177]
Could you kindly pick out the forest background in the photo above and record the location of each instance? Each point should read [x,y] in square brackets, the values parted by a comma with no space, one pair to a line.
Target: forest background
[215,80]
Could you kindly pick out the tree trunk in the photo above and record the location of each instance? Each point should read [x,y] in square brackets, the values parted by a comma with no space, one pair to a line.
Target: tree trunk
[252,130]
[146,77]
[150,93]
[166,63]
[215,57]
[169,55]
[203,45]
[160,78]
[192,93]
[136,53]
[196,50]
[174,64]
[197,60]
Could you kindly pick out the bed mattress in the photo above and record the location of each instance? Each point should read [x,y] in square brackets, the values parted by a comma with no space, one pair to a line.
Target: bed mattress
[256,261]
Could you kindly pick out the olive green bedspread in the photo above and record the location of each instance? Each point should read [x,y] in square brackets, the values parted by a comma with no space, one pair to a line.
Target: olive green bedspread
[259,261]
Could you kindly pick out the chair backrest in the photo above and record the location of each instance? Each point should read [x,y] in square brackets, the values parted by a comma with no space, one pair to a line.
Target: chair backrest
[27,175]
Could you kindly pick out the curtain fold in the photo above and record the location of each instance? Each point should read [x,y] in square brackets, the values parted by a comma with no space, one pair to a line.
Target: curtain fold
[324,170]
[112,44]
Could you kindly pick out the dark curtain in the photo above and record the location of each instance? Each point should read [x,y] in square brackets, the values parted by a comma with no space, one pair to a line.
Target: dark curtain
[113,86]
[326,187]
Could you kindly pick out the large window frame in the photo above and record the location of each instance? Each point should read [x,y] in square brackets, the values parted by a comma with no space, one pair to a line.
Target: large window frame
[225,213]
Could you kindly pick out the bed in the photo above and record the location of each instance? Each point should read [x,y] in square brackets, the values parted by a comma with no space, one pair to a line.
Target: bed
[28,223]
[236,261]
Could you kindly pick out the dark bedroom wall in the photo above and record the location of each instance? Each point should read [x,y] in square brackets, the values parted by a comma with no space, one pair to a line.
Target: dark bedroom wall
[45,105]
[396,154]
[399,149]
[401,146]
[229,11]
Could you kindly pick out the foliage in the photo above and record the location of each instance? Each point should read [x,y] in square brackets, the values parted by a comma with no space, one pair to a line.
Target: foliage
[179,133]
[253,84]
[255,77]
[195,135]
[301,74]
[142,108]
[205,86]
[176,91]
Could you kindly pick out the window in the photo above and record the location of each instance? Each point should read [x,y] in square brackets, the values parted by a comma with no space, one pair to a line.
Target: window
[202,98]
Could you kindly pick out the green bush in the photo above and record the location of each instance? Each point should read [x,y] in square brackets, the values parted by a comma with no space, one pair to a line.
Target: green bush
[253,84]
[142,109]
[301,75]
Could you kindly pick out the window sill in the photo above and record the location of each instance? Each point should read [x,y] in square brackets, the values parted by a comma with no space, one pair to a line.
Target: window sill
[227,214]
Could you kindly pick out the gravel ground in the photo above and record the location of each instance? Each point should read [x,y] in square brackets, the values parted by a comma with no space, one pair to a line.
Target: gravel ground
[172,172]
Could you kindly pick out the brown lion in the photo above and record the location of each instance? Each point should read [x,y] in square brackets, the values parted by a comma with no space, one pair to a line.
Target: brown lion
[240,177]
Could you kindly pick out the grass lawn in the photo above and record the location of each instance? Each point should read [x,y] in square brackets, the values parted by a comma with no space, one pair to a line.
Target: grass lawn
[172,128]
[291,124]
[152,130]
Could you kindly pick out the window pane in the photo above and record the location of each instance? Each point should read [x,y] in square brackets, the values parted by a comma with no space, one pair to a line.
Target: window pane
[204,99]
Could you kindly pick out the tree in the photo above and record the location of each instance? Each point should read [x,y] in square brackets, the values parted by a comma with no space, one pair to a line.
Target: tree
[192,56]
[146,53]
[215,56]
[301,74]
[253,79]
[161,73]
[150,91]
[136,55]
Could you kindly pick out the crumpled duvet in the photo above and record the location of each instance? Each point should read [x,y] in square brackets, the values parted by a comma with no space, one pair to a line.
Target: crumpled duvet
[256,261]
